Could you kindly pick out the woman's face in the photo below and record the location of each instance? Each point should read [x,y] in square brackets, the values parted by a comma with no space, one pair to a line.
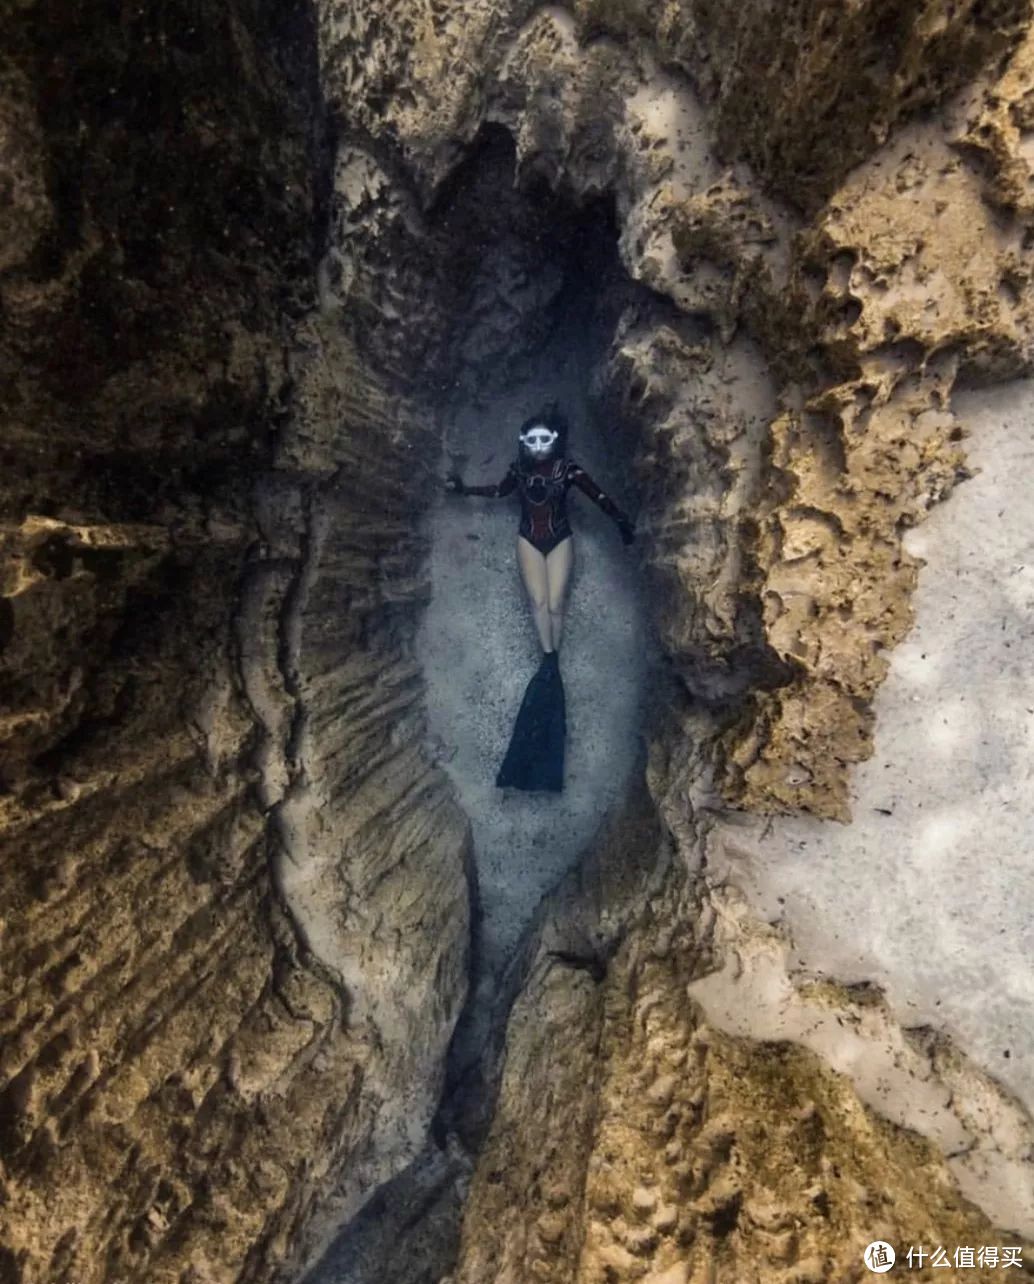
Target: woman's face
[539,441]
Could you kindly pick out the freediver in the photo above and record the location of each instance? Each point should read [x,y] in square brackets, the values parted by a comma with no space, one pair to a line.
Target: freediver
[542,474]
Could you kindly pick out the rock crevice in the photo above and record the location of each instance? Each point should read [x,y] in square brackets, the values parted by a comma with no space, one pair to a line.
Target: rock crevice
[247,258]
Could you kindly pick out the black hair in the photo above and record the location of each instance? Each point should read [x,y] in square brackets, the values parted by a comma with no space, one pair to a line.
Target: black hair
[550,417]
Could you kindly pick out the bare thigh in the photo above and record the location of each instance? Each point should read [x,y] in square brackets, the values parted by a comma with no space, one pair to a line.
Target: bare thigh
[559,564]
[533,572]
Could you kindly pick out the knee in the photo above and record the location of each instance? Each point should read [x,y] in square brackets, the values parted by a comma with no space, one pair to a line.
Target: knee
[538,599]
[556,606]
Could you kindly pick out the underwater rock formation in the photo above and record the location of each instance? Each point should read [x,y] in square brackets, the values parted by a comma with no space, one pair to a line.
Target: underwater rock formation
[208,551]
[820,284]
[236,283]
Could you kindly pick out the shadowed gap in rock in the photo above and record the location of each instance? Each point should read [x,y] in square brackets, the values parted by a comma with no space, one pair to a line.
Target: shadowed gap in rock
[540,291]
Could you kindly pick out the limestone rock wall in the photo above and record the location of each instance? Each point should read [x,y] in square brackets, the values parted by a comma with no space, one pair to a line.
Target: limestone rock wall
[939,290]
[211,985]
[805,94]
[766,460]
[367,845]
[682,1096]
[634,1141]
[827,266]
[234,892]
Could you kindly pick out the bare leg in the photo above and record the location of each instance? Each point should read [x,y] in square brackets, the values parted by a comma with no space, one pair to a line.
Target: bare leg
[558,572]
[533,572]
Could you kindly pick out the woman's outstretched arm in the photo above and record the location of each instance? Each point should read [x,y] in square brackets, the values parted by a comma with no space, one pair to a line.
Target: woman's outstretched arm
[580,478]
[456,484]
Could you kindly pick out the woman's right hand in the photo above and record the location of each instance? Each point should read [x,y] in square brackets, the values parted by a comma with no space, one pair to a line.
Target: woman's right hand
[454,484]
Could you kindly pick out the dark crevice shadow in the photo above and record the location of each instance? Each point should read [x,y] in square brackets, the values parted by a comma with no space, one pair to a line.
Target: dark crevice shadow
[538,290]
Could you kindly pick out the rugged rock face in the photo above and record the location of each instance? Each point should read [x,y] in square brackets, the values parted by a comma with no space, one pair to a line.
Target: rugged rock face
[633,1141]
[806,94]
[211,577]
[842,330]
[822,280]
[239,273]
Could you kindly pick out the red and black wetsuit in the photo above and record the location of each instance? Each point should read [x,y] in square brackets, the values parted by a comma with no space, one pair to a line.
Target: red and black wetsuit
[543,491]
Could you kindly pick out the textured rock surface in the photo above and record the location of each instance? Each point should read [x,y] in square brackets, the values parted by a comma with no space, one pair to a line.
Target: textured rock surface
[821,379]
[806,97]
[942,286]
[634,1141]
[918,895]
[790,383]
[234,889]
[367,847]
[190,1052]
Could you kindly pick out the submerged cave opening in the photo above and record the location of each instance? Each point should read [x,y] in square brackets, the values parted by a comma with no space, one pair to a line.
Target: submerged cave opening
[540,290]
[535,291]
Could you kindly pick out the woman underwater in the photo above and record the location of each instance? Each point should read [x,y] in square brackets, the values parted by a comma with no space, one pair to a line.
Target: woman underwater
[542,474]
